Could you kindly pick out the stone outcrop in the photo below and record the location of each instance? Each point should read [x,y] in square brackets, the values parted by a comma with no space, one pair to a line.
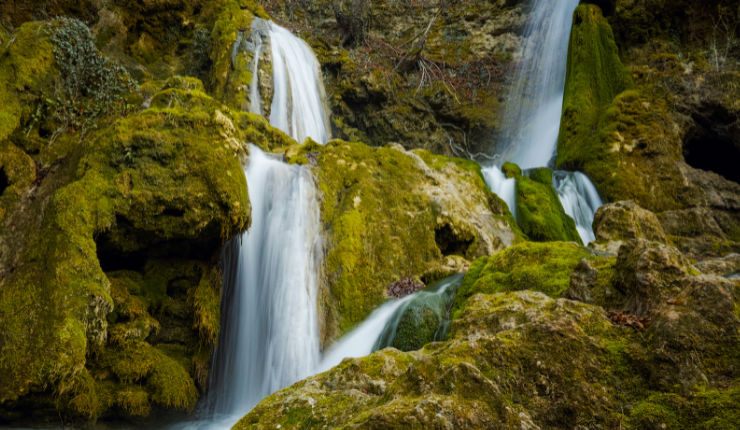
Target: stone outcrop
[617,223]
[389,211]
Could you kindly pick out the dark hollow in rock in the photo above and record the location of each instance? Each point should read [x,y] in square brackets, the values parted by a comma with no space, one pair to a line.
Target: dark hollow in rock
[450,243]
[111,259]
[4,181]
[714,144]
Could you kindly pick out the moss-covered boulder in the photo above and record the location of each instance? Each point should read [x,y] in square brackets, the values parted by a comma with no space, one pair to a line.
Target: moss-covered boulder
[521,359]
[109,293]
[423,319]
[617,223]
[539,212]
[541,267]
[390,213]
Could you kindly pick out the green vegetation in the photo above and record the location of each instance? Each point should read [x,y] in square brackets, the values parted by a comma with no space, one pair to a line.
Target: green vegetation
[383,220]
[542,267]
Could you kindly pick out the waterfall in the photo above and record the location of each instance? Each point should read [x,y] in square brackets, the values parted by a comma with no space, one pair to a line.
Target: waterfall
[297,105]
[502,186]
[537,96]
[269,333]
[255,103]
[533,118]
[580,201]
[379,329]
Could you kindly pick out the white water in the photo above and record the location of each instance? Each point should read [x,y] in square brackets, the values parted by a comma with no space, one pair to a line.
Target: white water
[502,186]
[269,333]
[255,102]
[534,118]
[580,201]
[297,105]
[537,97]
[364,338]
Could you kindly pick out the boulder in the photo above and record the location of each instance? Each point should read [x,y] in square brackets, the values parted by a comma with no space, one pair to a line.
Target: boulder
[617,223]
[723,266]
[582,281]
[648,273]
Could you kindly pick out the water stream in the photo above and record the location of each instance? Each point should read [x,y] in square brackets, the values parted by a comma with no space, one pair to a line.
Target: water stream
[533,118]
[297,105]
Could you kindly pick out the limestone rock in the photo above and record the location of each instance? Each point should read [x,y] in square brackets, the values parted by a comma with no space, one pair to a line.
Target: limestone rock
[389,211]
[720,266]
[582,281]
[648,273]
[617,223]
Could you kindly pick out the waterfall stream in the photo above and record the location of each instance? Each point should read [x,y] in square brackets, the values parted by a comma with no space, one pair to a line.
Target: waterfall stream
[297,106]
[269,336]
[533,121]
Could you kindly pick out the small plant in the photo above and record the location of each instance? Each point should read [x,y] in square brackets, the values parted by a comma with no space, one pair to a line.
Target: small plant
[91,85]
[725,30]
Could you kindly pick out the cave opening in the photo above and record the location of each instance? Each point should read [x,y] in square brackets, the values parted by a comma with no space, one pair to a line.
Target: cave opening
[4,181]
[112,259]
[716,152]
[450,243]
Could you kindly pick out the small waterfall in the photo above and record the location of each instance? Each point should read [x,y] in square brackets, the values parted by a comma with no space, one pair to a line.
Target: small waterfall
[502,186]
[255,102]
[537,98]
[379,329]
[297,105]
[580,201]
[269,336]
[436,298]
[533,119]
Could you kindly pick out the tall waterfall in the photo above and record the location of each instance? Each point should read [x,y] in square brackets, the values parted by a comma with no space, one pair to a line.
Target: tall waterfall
[297,106]
[533,120]
[536,101]
[269,335]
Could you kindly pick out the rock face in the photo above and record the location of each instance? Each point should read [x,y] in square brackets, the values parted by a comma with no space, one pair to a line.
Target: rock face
[509,352]
[109,241]
[672,155]
[388,211]
[617,223]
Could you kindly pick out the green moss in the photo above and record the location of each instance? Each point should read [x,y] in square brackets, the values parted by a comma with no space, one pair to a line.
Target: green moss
[167,181]
[231,80]
[539,212]
[706,409]
[511,170]
[543,267]
[380,222]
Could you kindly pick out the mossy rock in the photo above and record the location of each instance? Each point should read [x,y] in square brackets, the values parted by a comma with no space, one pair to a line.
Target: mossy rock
[166,183]
[539,212]
[388,212]
[423,319]
[542,267]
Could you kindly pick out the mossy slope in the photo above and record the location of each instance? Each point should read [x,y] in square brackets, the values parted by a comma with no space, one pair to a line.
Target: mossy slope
[389,213]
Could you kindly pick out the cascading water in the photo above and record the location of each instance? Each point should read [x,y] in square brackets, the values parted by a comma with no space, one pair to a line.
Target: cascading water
[580,201]
[269,335]
[269,327]
[254,92]
[502,186]
[379,329]
[534,119]
[297,106]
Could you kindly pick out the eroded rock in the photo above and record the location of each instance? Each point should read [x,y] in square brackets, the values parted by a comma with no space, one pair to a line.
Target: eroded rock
[617,223]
